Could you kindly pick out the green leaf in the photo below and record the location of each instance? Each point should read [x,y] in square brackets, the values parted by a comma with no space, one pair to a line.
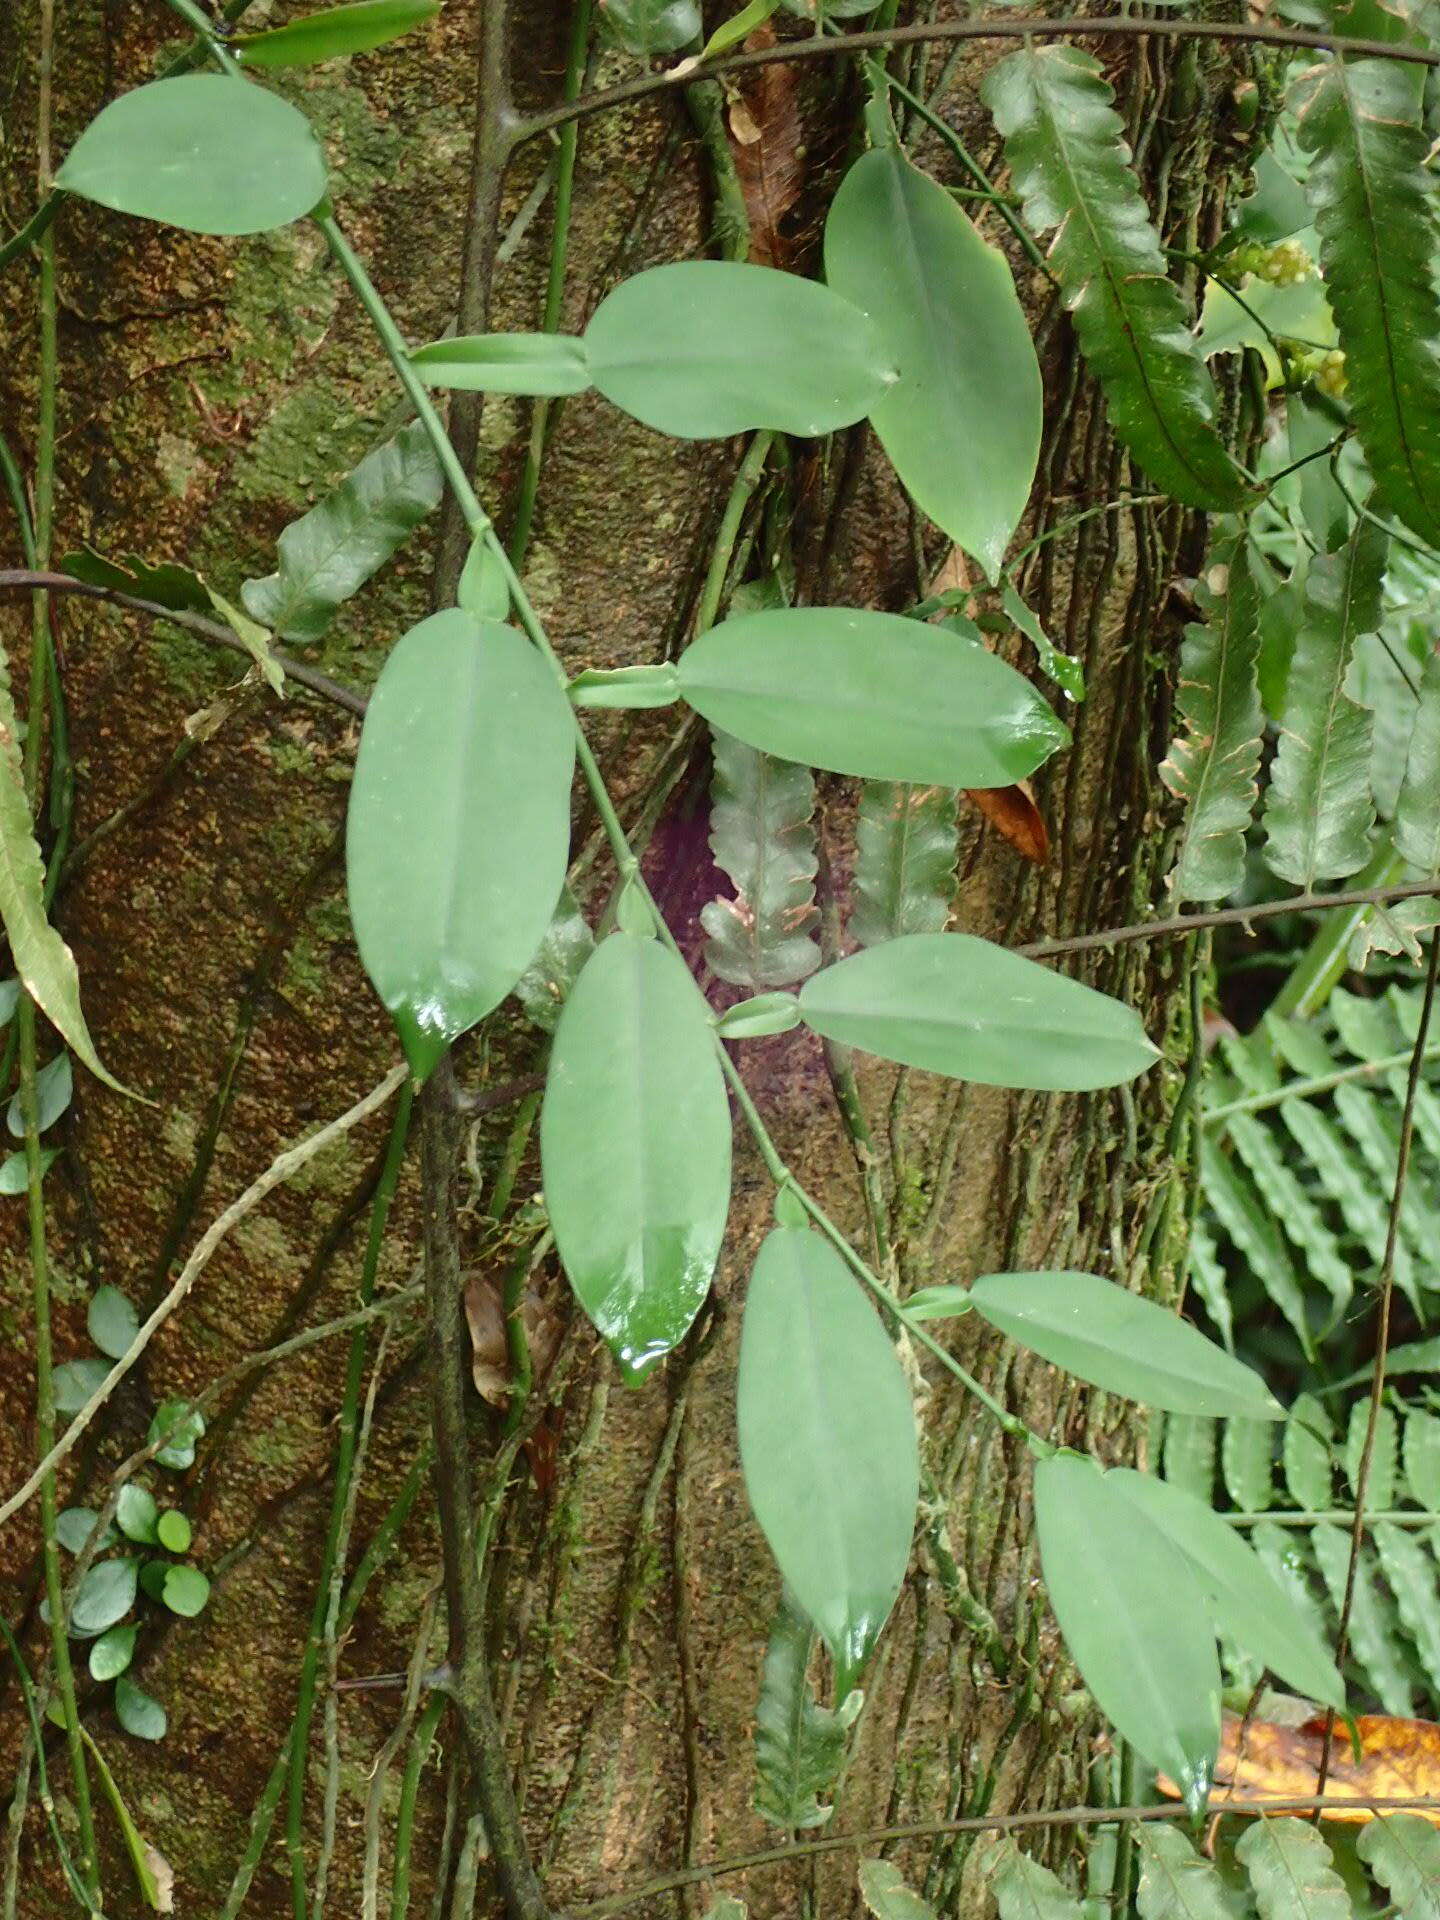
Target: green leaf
[732,31]
[1417,812]
[1246,1603]
[204,151]
[1213,765]
[538,363]
[645,27]
[13,1171]
[106,1595]
[872,694]
[483,589]
[906,844]
[459,825]
[1133,1620]
[1289,1867]
[1384,1464]
[1422,1455]
[1065,671]
[182,1427]
[137,1712]
[111,1321]
[152,1579]
[938,1303]
[112,1653]
[1025,1890]
[1118,1340]
[1190,1453]
[328,554]
[186,1591]
[757,1019]
[1305,1455]
[1370,189]
[255,640]
[545,984]
[946,308]
[625,688]
[1319,811]
[1277,207]
[799,1745]
[136,1514]
[332,33]
[702,349]
[149,1865]
[885,1893]
[54,1090]
[1411,1576]
[1067,150]
[827,1442]
[173,1531]
[762,835]
[73,1528]
[166,584]
[635,1147]
[1177,1883]
[75,1381]
[1256,1234]
[949,1003]
[1376,1643]
[1246,1461]
[1403,1853]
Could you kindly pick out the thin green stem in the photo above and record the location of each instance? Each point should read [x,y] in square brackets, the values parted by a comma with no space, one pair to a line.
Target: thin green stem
[420,1742]
[32,230]
[208,40]
[83,1894]
[742,487]
[1315,1084]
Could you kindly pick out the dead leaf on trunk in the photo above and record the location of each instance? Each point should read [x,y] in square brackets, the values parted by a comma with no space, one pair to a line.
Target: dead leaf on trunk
[769,146]
[1012,812]
[490,1352]
[1399,1760]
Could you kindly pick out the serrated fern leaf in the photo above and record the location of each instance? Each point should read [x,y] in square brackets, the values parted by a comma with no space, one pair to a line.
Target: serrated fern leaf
[1376,1643]
[1189,1453]
[1411,1576]
[1370,191]
[1290,1869]
[1403,1853]
[1320,811]
[1213,765]
[1417,812]
[1291,1205]
[1384,1455]
[1024,1890]
[1207,1276]
[1251,1226]
[328,554]
[1246,1464]
[1177,1883]
[799,1745]
[1305,1455]
[906,843]
[1066,148]
[763,837]
[886,1895]
[1422,1458]
[1284,1558]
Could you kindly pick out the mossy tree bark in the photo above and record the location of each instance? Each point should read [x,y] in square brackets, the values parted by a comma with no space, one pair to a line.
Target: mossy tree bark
[209,392]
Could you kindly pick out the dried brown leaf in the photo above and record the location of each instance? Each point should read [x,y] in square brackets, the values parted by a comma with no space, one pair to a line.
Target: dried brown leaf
[1012,812]
[768,142]
[1399,1760]
[490,1352]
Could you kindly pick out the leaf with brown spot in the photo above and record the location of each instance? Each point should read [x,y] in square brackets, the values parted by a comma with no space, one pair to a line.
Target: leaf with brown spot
[1012,812]
[1399,1760]
[769,146]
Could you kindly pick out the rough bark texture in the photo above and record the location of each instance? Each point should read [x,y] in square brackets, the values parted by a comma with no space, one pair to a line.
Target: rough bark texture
[210,391]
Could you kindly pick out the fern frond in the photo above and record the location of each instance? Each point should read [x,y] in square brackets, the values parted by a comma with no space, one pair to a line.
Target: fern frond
[1291,1870]
[1177,1883]
[1024,1890]
[763,837]
[906,844]
[1410,1574]
[799,1745]
[1376,1642]
[1403,1853]
[1247,1464]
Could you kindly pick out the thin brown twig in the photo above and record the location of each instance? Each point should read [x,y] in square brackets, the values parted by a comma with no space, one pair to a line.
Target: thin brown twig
[1382,1336]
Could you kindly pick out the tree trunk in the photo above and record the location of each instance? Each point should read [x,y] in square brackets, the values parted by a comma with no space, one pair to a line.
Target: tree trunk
[209,392]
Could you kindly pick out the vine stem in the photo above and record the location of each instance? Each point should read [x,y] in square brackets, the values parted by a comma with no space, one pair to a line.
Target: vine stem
[1315,1084]
[1382,1337]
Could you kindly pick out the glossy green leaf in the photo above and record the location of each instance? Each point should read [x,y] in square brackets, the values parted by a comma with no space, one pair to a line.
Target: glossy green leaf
[1277,207]
[886,1896]
[1026,1890]
[872,694]
[1213,765]
[328,554]
[646,27]
[483,589]
[73,1528]
[186,1591]
[962,423]
[332,32]
[54,1090]
[112,1321]
[568,943]
[1402,1851]
[635,1147]
[1133,1620]
[166,584]
[1118,1340]
[800,1746]
[1176,1882]
[1370,189]
[1063,669]
[1067,149]
[112,1653]
[827,1442]
[732,31]
[937,1303]
[906,845]
[1290,1869]
[1246,1603]
[75,1381]
[762,835]
[757,1019]
[179,1427]
[204,151]
[539,363]
[459,825]
[137,1712]
[949,1003]
[106,1595]
[136,1514]
[1319,811]
[705,348]
[14,1172]
[173,1532]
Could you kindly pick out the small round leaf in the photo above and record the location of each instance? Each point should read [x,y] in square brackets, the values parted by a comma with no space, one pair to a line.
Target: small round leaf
[136,1513]
[106,1595]
[112,1653]
[137,1712]
[181,1427]
[173,1531]
[76,1381]
[112,1321]
[186,1591]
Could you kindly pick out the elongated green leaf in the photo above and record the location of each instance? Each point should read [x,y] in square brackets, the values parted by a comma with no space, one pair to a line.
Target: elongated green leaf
[906,844]
[328,554]
[1246,1603]
[732,31]
[1417,812]
[762,835]
[483,588]
[1253,1230]
[332,32]
[1376,1642]
[872,694]
[1116,1339]
[1370,190]
[1026,1890]
[1190,1453]
[635,1147]
[41,957]
[112,1652]
[707,348]
[1319,811]
[459,825]
[1305,1455]
[886,1896]
[757,1018]
[540,363]
[1131,1613]
[799,1745]
[203,151]
[827,1442]
[1290,1205]
[1213,765]
[1411,1575]
[1066,147]
[1289,1867]
[944,301]
[645,27]
[1422,1453]
[1246,1462]
[165,583]
[938,1303]
[1177,1883]
[949,1003]
[1063,669]
[1403,1853]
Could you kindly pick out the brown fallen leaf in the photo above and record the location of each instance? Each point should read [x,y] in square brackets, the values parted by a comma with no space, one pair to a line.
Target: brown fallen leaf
[490,1353]
[1012,812]
[769,147]
[1399,1760]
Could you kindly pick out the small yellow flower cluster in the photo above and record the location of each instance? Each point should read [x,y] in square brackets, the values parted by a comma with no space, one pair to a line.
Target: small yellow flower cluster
[1284,265]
